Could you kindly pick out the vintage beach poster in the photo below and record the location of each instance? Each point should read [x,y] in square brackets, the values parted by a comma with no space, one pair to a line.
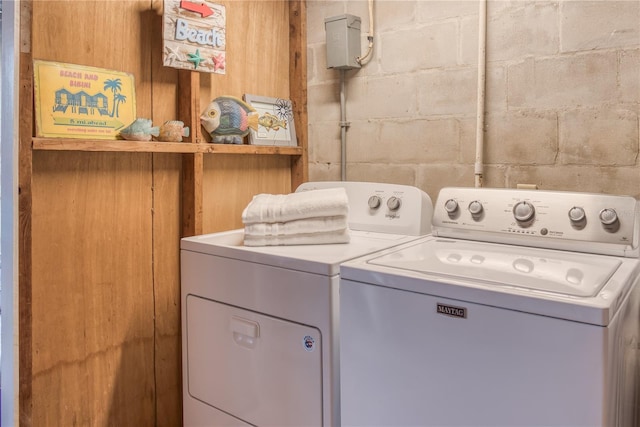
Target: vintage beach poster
[75,101]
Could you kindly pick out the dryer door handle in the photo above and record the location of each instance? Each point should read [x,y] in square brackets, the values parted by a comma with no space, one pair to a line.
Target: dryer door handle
[245,331]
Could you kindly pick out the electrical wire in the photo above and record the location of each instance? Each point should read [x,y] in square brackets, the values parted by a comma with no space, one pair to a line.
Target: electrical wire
[362,60]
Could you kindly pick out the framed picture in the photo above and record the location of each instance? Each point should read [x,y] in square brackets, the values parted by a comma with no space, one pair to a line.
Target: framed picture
[275,121]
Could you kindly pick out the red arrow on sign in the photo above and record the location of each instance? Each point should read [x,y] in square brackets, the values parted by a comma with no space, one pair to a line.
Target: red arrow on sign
[201,8]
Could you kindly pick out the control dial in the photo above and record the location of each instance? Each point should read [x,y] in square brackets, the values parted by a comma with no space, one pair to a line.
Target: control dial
[576,214]
[374,202]
[451,206]
[608,216]
[394,203]
[523,211]
[475,208]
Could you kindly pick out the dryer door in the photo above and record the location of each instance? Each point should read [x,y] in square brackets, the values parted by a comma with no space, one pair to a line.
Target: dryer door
[260,369]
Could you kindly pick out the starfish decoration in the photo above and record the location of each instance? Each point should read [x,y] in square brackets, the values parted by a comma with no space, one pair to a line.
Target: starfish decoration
[195,58]
[218,62]
[172,55]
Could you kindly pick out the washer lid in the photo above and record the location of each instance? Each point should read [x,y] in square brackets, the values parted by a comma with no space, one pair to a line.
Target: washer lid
[566,273]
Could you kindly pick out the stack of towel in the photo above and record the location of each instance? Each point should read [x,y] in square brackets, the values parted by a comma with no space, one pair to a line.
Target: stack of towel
[306,218]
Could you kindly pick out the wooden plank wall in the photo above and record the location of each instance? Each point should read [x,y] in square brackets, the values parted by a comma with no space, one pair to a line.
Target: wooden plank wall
[104,332]
[258,64]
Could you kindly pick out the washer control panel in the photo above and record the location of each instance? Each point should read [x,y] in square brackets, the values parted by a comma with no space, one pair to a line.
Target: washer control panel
[382,207]
[583,222]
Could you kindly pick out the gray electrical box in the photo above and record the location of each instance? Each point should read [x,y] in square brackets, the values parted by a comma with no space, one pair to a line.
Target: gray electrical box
[343,41]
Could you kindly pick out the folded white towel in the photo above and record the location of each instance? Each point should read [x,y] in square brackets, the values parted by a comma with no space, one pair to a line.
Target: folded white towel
[270,208]
[341,236]
[299,226]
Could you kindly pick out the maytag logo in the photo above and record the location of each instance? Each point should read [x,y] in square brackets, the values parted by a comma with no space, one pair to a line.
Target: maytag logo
[450,310]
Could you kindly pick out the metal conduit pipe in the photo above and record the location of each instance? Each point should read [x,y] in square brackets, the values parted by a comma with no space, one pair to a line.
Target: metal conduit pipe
[482,70]
[344,124]
[343,128]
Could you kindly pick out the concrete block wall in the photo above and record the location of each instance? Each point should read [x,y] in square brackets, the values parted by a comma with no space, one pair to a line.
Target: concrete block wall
[562,95]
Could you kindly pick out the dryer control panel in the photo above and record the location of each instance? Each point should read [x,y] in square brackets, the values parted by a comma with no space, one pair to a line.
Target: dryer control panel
[582,222]
[382,207]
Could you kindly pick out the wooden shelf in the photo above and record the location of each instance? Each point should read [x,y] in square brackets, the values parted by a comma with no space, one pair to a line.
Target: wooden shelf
[64,144]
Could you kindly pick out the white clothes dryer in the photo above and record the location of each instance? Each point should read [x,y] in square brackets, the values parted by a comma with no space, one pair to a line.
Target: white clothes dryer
[521,309]
[260,324]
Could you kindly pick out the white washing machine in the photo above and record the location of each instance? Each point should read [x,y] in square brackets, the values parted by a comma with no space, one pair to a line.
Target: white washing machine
[260,324]
[521,309]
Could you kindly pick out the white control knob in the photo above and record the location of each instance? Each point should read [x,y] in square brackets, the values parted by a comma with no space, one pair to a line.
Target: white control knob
[523,211]
[394,203]
[475,208]
[608,216]
[576,214]
[451,206]
[374,202]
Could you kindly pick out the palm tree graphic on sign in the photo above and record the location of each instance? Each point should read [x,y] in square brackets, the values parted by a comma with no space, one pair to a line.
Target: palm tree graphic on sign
[115,86]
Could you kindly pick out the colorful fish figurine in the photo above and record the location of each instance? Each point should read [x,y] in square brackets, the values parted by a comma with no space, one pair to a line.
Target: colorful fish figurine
[229,119]
[173,131]
[270,121]
[140,130]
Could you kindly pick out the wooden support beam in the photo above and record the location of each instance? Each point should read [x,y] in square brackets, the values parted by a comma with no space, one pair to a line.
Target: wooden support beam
[298,87]
[192,170]
[192,164]
[25,157]
[189,103]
